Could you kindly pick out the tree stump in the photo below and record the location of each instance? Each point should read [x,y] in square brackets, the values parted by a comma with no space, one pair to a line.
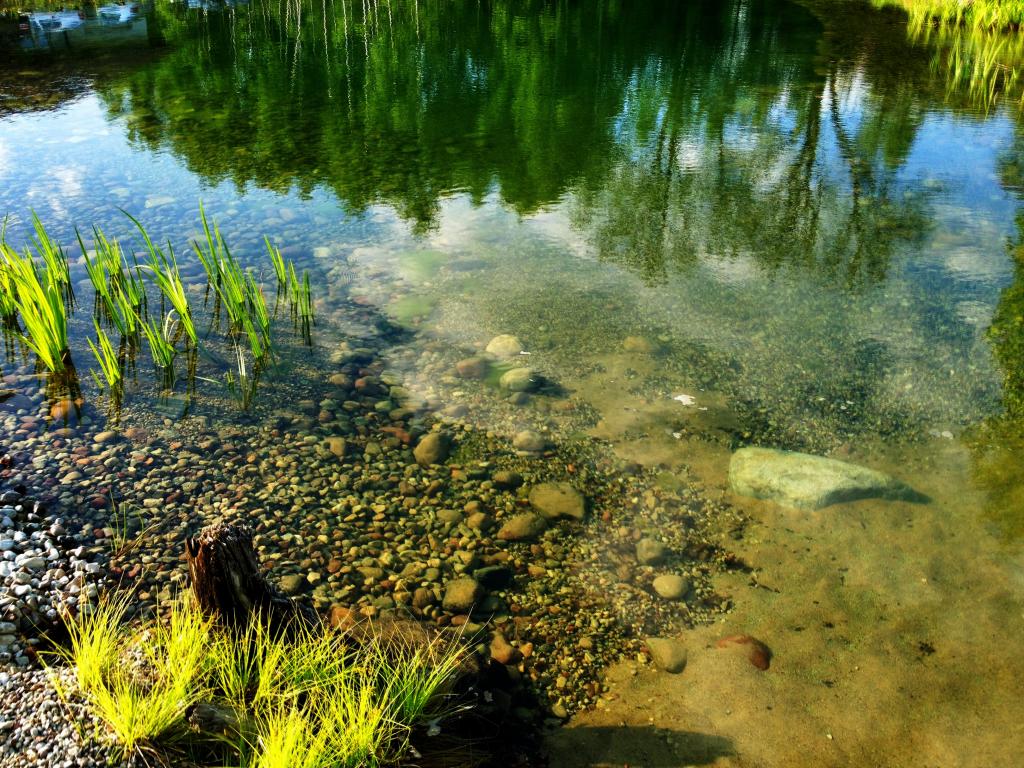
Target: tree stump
[229,584]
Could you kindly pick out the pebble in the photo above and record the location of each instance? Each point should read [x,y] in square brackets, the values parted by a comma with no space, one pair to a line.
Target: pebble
[432,449]
[529,441]
[671,586]
[518,380]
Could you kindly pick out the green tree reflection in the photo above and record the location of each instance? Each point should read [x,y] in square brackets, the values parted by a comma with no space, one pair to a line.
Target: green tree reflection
[675,126]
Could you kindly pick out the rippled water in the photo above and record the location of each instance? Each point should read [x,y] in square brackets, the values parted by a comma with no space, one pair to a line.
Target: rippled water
[780,208]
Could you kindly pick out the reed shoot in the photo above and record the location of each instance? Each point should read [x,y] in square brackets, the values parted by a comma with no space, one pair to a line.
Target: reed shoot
[160,346]
[39,299]
[108,359]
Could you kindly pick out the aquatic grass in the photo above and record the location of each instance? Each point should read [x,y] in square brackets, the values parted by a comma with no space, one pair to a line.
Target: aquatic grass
[415,680]
[237,291]
[978,49]
[161,348]
[108,359]
[167,276]
[280,268]
[58,272]
[120,290]
[8,305]
[245,666]
[244,387]
[124,539]
[40,303]
[987,15]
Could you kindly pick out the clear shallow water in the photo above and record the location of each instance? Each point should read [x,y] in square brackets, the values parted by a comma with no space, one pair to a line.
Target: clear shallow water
[807,230]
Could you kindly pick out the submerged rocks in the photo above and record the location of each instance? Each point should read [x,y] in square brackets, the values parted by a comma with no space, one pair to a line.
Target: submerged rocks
[756,652]
[522,527]
[668,654]
[462,594]
[518,380]
[671,586]
[506,480]
[650,552]
[473,367]
[809,482]
[505,345]
[555,501]
[432,449]
[529,441]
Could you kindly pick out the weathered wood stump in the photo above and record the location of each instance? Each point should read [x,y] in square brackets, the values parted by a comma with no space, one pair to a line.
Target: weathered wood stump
[229,584]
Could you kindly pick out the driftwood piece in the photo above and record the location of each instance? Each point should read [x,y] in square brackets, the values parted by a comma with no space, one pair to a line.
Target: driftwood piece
[229,584]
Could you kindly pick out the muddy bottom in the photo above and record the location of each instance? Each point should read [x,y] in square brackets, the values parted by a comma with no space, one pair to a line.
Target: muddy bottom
[894,630]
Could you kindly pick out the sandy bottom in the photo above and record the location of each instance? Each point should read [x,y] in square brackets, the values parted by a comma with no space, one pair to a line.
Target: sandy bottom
[895,629]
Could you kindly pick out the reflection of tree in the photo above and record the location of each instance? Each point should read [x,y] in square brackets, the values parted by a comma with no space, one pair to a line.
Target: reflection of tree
[681,128]
[738,160]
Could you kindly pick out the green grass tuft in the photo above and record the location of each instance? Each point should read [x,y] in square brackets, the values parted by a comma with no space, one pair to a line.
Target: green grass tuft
[311,699]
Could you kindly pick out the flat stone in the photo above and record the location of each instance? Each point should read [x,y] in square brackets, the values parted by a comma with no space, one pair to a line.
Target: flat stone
[668,654]
[293,583]
[337,445]
[461,595]
[809,482]
[554,501]
[522,527]
[505,345]
[506,480]
[502,651]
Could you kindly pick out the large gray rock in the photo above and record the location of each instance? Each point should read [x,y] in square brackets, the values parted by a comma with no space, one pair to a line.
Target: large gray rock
[554,501]
[809,482]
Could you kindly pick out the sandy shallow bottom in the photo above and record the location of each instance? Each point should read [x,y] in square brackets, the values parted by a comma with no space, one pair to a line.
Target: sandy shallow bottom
[895,630]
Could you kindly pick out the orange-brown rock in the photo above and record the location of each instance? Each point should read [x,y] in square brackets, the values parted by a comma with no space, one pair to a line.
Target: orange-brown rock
[759,654]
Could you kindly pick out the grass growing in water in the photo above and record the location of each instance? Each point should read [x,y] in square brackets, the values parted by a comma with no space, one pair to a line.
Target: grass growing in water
[313,699]
[108,359]
[161,348]
[167,276]
[39,297]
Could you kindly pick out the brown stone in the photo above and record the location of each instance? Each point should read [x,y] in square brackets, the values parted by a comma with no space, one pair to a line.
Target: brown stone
[757,653]
[502,651]
[472,367]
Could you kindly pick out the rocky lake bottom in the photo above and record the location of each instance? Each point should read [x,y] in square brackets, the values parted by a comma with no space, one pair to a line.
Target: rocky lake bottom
[571,516]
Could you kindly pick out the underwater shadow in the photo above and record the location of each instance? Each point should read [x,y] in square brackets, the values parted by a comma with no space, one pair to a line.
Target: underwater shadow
[649,746]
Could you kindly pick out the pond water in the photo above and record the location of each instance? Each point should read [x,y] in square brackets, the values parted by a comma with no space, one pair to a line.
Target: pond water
[710,225]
